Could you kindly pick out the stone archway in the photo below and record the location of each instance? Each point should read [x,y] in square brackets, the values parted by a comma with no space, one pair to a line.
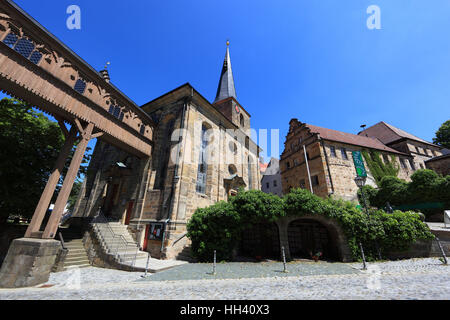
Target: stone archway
[308,237]
[301,236]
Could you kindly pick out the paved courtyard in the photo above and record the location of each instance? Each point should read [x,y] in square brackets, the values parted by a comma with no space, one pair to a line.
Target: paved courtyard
[406,279]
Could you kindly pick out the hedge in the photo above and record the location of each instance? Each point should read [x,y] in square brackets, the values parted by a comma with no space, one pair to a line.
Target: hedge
[219,227]
[426,186]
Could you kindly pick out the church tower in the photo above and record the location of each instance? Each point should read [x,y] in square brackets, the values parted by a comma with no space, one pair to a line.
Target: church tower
[226,99]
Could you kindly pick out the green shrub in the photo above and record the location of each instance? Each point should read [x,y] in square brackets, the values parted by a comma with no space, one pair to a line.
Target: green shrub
[219,226]
[426,186]
[255,206]
[214,228]
[389,231]
[370,194]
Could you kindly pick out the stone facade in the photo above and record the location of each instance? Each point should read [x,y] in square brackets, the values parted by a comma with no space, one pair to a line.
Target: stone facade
[440,164]
[400,140]
[271,180]
[172,192]
[164,191]
[330,161]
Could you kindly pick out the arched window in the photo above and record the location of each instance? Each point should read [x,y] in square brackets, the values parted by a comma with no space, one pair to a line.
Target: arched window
[202,164]
[250,173]
[242,120]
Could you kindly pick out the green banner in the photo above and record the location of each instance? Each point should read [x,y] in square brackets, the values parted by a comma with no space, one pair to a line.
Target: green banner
[359,164]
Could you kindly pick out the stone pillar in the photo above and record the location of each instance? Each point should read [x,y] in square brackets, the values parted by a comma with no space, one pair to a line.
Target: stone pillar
[28,263]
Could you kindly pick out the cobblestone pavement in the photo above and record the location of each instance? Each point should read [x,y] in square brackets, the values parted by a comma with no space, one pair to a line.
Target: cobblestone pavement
[407,279]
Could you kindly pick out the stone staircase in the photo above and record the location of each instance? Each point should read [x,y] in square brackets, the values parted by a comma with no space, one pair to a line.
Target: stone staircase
[118,244]
[76,255]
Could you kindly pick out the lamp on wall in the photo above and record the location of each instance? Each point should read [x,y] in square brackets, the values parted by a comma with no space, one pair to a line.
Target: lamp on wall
[360,181]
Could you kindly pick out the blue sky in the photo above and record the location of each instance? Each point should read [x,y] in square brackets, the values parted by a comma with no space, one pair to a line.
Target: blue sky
[312,60]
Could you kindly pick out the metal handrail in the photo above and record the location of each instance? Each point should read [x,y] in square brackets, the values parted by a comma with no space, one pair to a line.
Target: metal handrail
[62,241]
[122,243]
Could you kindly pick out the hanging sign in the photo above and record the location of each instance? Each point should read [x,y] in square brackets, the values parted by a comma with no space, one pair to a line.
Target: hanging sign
[359,164]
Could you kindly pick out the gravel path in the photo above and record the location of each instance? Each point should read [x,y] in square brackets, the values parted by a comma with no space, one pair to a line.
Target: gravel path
[407,279]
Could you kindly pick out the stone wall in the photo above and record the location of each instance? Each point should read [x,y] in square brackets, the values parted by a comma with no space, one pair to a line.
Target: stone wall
[332,174]
[441,166]
[185,198]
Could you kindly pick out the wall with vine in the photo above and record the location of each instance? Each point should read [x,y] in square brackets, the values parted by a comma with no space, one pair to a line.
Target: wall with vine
[378,168]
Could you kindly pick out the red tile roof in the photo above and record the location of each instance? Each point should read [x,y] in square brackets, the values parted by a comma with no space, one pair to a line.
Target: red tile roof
[387,133]
[263,167]
[353,139]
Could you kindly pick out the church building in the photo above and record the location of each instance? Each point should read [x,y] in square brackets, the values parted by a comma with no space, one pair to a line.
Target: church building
[202,153]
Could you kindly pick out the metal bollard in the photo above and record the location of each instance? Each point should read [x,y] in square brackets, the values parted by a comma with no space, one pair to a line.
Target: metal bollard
[214,264]
[379,251]
[215,261]
[363,256]
[284,260]
[442,251]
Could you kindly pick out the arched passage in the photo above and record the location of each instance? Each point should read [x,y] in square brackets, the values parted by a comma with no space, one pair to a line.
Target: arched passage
[308,235]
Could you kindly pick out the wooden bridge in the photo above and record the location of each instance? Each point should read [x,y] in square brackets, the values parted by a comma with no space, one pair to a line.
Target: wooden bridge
[38,68]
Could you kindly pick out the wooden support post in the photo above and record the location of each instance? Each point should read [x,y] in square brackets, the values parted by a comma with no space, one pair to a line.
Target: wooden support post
[61,201]
[46,197]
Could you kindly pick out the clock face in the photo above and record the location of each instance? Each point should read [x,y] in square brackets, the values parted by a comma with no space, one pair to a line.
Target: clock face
[237,109]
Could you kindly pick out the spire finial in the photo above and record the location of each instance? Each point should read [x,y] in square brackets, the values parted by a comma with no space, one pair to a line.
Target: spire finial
[107,64]
[226,83]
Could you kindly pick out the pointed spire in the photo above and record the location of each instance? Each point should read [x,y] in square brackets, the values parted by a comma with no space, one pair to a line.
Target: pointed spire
[226,87]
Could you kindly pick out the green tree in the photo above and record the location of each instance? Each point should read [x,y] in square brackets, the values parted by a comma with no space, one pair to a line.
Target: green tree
[74,194]
[443,135]
[30,145]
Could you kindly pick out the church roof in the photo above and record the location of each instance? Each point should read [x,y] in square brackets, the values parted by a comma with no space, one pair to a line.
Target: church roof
[226,87]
